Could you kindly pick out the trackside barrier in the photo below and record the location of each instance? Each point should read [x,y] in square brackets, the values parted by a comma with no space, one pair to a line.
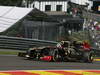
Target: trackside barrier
[22,43]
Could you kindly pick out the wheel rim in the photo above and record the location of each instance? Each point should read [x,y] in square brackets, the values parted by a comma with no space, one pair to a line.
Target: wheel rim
[56,56]
[91,58]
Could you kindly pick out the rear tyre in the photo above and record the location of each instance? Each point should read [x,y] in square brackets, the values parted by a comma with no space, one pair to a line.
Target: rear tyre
[88,57]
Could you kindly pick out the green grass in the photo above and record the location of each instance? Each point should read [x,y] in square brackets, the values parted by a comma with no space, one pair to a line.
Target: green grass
[8,52]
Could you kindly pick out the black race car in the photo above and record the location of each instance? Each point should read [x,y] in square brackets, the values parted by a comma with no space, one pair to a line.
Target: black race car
[63,51]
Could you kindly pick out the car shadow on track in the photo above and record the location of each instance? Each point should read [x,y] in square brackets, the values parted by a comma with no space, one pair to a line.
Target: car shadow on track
[72,61]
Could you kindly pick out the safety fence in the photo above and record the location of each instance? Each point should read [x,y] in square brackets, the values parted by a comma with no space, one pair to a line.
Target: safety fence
[22,43]
[91,16]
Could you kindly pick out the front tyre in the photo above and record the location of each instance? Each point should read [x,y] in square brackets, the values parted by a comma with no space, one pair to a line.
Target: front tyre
[56,55]
[21,54]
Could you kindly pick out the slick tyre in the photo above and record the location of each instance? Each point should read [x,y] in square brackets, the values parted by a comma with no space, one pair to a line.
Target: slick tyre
[56,56]
[88,57]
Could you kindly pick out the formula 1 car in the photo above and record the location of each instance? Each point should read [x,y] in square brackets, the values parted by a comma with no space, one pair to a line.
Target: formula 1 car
[63,51]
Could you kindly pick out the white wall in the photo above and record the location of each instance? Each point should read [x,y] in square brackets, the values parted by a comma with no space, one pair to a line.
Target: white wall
[90,4]
[36,5]
[81,2]
[41,5]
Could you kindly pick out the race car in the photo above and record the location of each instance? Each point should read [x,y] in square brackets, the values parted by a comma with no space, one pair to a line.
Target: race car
[63,51]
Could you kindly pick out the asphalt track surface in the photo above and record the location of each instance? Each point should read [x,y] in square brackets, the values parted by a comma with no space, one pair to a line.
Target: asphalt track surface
[10,62]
